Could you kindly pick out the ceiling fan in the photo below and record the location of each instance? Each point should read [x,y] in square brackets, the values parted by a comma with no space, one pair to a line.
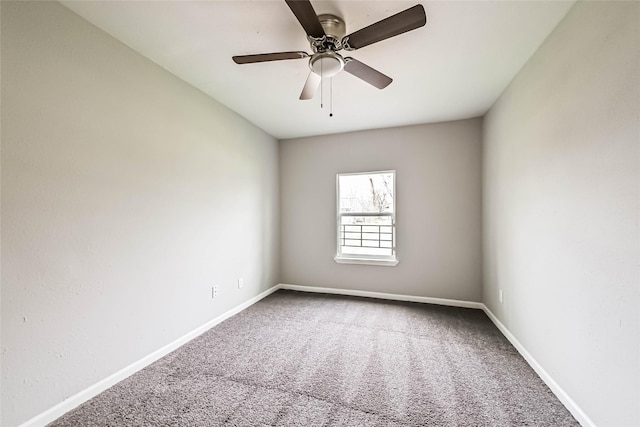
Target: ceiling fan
[326,34]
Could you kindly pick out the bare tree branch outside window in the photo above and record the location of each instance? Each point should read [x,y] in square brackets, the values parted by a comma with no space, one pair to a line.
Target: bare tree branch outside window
[381,197]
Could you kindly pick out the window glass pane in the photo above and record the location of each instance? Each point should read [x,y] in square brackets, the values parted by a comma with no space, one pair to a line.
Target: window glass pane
[366,193]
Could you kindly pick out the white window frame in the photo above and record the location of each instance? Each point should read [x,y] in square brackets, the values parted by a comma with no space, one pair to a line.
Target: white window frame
[383,260]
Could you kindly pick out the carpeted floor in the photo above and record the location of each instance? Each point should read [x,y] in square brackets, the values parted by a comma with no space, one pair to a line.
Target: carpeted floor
[301,359]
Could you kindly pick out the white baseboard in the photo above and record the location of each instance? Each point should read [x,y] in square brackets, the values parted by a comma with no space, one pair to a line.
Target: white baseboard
[79,398]
[566,400]
[380,295]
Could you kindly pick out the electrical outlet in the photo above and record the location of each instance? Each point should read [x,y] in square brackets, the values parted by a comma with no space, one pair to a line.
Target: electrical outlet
[500,296]
[240,283]
[214,291]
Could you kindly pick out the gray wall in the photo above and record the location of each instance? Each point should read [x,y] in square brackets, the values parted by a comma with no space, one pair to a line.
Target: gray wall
[561,208]
[126,194]
[438,184]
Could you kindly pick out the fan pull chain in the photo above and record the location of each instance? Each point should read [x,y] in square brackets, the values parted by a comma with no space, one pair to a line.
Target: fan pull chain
[331,97]
[321,84]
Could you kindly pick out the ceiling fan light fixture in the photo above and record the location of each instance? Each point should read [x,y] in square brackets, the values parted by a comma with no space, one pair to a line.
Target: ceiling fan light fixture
[326,64]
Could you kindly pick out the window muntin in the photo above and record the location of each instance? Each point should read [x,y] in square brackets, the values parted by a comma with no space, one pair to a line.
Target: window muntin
[366,216]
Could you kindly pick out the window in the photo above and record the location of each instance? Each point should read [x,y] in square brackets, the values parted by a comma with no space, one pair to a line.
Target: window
[366,218]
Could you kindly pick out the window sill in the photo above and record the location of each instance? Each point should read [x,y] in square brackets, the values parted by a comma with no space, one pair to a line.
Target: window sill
[366,261]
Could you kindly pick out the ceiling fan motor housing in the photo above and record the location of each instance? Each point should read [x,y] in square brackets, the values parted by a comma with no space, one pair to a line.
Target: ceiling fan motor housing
[334,29]
[325,62]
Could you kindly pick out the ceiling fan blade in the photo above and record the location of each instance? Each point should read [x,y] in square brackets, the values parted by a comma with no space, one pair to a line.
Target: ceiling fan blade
[310,86]
[366,73]
[307,17]
[407,20]
[263,57]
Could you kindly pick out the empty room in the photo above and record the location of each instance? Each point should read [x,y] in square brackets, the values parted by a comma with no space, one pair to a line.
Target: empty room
[320,213]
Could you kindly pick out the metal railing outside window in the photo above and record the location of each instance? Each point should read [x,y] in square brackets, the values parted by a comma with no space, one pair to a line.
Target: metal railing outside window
[367,234]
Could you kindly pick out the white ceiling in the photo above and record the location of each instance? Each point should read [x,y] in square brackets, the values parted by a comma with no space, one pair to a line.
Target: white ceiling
[453,68]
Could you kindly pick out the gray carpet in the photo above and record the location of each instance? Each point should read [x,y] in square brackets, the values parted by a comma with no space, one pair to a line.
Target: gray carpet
[301,359]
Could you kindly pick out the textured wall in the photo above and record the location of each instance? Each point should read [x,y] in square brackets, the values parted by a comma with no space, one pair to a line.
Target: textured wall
[126,194]
[438,184]
[561,205]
